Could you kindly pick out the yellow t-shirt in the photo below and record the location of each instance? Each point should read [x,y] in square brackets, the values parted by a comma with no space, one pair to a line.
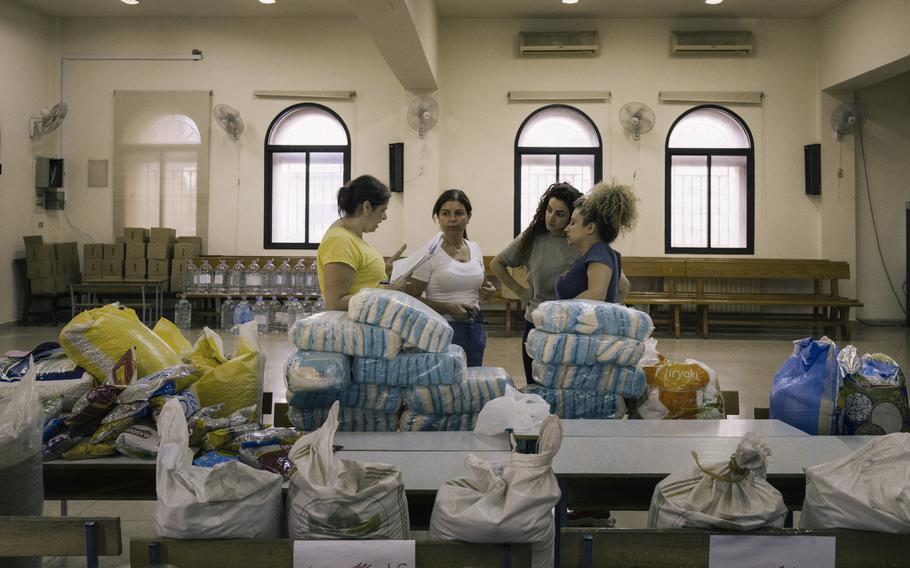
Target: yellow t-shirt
[341,245]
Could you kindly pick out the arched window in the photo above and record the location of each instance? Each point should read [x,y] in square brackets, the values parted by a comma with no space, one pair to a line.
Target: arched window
[710,184]
[307,158]
[555,143]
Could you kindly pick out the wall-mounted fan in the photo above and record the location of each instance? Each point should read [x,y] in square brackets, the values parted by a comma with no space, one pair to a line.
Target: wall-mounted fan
[48,121]
[636,118]
[422,114]
[847,118]
[229,120]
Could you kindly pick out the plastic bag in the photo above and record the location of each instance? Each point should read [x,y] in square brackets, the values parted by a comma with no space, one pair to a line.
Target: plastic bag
[571,404]
[574,349]
[96,339]
[413,369]
[272,458]
[514,410]
[414,422]
[138,441]
[237,383]
[480,386]
[415,322]
[338,333]
[504,502]
[372,397]
[231,500]
[21,473]
[167,381]
[208,350]
[333,498]
[317,371]
[873,396]
[94,405]
[207,420]
[688,390]
[349,419]
[51,364]
[171,334]
[804,390]
[868,490]
[729,494]
[608,379]
[590,317]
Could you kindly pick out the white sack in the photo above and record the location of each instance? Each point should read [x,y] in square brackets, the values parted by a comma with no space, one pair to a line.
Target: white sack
[505,502]
[731,494]
[515,410]
[869,490]
[339,499]
[230,500]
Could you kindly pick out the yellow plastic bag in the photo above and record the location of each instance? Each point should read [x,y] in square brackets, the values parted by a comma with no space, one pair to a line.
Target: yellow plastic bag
[235,383]
[96,339]
[208,351]
[171,334]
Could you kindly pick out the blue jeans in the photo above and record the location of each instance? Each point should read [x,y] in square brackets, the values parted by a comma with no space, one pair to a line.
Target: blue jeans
[471,336]
[525,358]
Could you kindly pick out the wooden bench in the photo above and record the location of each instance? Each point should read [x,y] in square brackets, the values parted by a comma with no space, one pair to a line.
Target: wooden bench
[279,553]
[830,310]
[662,276]
[666,548]
[60,536]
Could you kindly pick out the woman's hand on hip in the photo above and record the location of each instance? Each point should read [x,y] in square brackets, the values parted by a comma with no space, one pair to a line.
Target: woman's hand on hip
[459,312]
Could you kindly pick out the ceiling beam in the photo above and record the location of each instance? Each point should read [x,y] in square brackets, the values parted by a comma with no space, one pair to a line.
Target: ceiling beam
[404,31]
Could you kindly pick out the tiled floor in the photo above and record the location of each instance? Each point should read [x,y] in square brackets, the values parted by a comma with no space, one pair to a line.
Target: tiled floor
[743,363]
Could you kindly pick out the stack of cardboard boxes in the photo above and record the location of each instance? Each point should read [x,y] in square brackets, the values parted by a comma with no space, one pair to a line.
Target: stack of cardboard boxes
[185,248]
[51,267]
[154,253]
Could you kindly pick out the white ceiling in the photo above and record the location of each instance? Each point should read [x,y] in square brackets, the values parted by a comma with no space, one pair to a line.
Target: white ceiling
[446,8]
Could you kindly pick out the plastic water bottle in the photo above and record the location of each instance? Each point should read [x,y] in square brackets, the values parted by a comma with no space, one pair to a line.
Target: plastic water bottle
[252,278]
[306,307]
[293,310]
[189,277]
[299,284]
[318,305]
[235,278]
[268,278]
[312,279]
[183,313]
[284,278]
[275,310]
[220,278]
[261,315]
[227,315]
[242,312]
[204,278]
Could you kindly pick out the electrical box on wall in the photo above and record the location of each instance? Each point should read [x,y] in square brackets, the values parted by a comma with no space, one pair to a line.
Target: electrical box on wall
[48,172]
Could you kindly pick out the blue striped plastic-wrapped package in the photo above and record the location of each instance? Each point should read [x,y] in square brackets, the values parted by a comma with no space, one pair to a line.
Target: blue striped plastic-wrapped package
[590,317]
[338,333]
[417,324]
[413,368]
[572,349]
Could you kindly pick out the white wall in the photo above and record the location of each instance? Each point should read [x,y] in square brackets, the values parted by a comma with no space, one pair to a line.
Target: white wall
[25,40]
[479,65]
[239,56]
[862,42]
[886,141]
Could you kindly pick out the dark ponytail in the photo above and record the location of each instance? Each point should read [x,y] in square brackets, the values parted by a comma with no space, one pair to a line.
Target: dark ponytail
[453,195]
[359,190]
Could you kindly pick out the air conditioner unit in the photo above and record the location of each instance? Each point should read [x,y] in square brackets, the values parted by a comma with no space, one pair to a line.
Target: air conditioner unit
[533,43]
[694,43]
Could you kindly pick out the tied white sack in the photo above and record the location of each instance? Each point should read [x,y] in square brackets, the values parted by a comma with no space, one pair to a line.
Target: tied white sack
[505,502]
[515,410]
[230,500]
[339,499]
[730,495]
[868,490]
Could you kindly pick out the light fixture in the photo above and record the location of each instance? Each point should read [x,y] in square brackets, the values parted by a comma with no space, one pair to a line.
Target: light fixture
[130,2]
[570,1]
[266,1]
[713,1]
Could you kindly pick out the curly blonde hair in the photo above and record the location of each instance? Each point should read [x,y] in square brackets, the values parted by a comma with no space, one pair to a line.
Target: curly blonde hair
[612,207]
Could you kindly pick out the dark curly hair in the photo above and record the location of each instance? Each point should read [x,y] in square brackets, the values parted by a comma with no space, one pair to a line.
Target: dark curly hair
[562,191]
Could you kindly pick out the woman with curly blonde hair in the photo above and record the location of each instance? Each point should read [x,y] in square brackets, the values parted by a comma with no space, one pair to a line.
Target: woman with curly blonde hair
[599,217]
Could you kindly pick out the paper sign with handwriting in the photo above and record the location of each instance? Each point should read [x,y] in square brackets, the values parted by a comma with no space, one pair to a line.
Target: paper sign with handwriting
[354,554]
[748,551]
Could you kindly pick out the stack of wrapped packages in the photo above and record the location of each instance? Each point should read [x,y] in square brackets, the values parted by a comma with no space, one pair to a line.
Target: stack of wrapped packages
[585,355]
[390,363]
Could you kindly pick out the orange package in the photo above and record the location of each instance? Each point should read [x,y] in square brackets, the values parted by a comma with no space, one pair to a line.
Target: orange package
[688,390]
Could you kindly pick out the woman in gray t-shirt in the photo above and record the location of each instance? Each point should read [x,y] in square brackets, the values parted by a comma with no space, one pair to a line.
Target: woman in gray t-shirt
[543,250]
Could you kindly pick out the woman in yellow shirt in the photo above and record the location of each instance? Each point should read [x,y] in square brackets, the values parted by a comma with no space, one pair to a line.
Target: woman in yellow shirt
[345,262]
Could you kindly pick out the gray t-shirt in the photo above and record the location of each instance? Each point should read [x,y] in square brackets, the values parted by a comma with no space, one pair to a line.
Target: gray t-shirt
[550,257]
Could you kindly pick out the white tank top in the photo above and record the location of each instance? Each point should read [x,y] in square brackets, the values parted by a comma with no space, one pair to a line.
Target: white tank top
[451,281]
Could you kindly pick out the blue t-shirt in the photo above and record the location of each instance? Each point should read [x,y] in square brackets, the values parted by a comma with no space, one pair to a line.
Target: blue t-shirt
[574,281]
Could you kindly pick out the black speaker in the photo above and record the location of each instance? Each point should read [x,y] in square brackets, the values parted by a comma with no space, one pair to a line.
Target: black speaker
[48,173]
[396,166]
[813,154]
